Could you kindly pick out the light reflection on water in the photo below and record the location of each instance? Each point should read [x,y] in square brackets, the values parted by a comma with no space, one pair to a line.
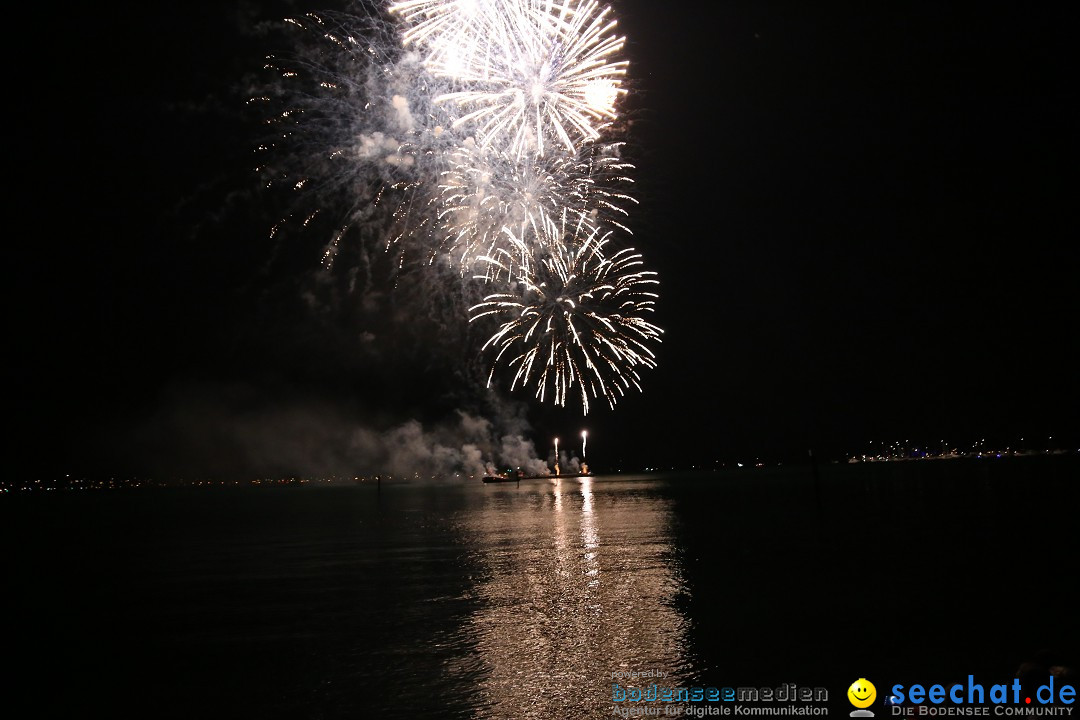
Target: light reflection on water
[579,580]
[478,601]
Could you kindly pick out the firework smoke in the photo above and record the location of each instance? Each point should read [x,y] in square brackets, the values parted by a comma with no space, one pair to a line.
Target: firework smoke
[230,431]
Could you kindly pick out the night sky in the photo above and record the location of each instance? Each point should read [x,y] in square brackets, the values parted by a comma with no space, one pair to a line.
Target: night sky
[863,220]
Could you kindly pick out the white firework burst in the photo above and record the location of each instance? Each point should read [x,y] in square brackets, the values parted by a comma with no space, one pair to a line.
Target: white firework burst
[531,72]
[573,318]
[487,198]
[476,136]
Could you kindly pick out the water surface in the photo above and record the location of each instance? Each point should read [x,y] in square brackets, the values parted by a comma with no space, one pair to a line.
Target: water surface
[521,600]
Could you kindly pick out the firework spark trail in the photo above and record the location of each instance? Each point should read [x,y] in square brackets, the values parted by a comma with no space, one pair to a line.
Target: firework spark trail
[352,124]
[476,135]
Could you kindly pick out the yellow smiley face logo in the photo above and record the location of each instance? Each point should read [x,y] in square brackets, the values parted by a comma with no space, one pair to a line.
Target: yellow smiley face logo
[862,693]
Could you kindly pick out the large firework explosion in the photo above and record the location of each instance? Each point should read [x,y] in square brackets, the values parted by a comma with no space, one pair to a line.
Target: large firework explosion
[572,317]
[472,139]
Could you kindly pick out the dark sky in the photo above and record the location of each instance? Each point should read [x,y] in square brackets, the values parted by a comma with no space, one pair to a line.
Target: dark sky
[862,219]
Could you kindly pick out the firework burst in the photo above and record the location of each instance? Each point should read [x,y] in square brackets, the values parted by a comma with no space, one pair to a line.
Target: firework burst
[476,138]
[574,318]
[531,72]
[487,201]
[353,135]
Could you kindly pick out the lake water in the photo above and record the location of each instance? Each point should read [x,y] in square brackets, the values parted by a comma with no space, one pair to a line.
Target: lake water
[521,600]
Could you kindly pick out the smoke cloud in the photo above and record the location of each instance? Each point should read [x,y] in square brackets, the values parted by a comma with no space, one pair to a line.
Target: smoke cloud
[233,432]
